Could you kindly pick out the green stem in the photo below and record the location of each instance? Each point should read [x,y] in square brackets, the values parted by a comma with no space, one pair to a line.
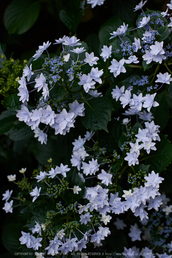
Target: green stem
[133,169]
[154,74]
[168,68]
[134,66]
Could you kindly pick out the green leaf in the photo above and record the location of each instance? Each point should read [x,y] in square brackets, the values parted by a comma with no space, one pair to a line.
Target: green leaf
[124,9]
[21,15]
[143,167]
[97,114]
[161,113]
[167,183]
[12,102]
[136,127]
[117,166]
[93,43]
[7,113]
[43,152]
[117,131]
[146,66]
[6,122]
[57,93]
[21,132]
[74,179]
[160,159]
[58,148]
[71,14]
[108,27]
[169,94]
[164,32]
[10,236]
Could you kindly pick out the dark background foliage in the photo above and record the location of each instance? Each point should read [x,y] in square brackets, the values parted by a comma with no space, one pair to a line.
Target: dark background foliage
[54,18]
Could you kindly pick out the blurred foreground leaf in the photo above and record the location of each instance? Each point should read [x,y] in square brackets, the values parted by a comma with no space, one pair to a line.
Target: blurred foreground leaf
[21,15]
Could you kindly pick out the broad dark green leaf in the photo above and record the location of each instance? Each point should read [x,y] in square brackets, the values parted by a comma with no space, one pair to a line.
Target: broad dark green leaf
[7,123]
[117,166]
[10,237]
[21,15]
[7,113]
[12,102]
[43,152]
[164,32]
[146,66]
[57,93]
[21,132]
[167,183]
[71,14]
[160,159]
[117,131]
[161,113]
[93,43]
[74,179]
[143,167]
[169,94]
[107,28]
[58,148]
[124,9]
[97,114]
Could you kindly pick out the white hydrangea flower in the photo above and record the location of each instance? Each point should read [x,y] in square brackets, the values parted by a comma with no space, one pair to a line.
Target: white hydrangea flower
[27,72]
[117,67]
[140,5]
[11,178]
[164,78]
[35,193]
[41,176]
[90,59]
[106,52]
[7,195]
[8,207]
[42,137]
[145,20]
[120,31]
[76,189]
[41,50]
[119,224]
[95,2]
[106,178]
[135,233]
[71,41]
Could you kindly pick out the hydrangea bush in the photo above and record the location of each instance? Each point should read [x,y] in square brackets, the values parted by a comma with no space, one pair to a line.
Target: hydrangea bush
[111,110]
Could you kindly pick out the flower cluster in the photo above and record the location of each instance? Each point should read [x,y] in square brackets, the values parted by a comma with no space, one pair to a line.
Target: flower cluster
[48,113]
[109,107]
[100,207]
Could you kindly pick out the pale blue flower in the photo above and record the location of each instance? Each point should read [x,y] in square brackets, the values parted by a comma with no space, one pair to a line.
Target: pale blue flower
[7,195]
[106,52]
[35,193]
[90,59]
[42,137]
[95,2]
[120,31]
[140,5]
[117,67]
[135,232]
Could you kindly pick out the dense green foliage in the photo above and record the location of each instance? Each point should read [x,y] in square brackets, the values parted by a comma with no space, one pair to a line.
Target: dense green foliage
[96,126]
